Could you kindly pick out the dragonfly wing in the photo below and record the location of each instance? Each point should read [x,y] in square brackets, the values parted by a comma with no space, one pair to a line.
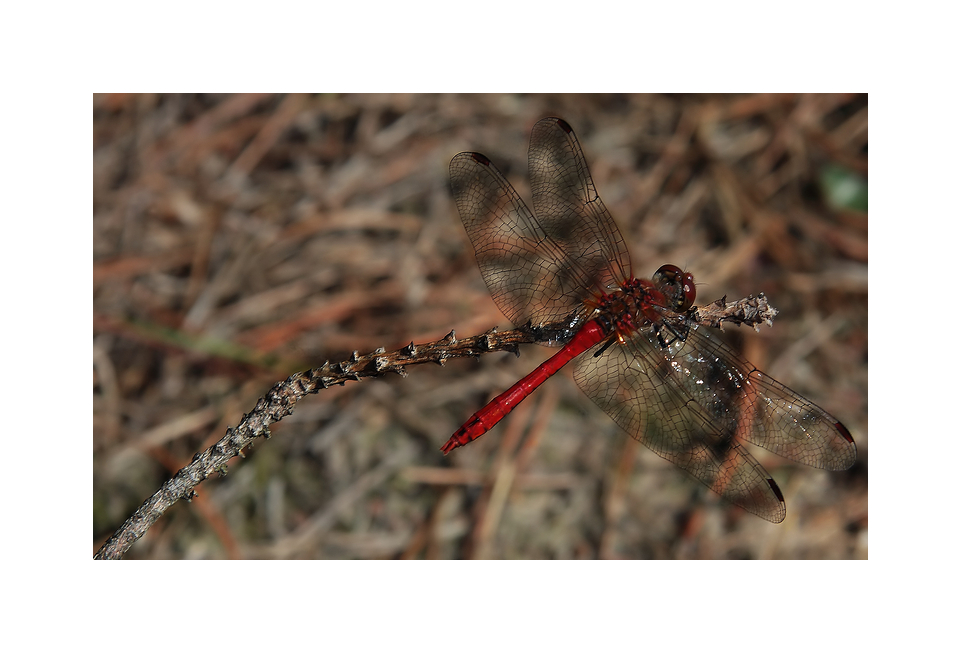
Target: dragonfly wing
[634,385]
[760,410]
[542,265]
[569,209]
[526,271]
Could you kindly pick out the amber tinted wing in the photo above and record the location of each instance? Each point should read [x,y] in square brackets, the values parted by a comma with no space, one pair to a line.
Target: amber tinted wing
[635,385]
[539,268]
[757,408]
[569,209]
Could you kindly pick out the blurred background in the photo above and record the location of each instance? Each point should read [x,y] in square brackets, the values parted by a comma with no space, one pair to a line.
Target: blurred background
[240,238]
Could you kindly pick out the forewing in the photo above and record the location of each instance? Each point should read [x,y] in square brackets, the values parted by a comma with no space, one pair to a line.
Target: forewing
[540,266]
[570,211]
[756,407]
[633,383]
[527,273]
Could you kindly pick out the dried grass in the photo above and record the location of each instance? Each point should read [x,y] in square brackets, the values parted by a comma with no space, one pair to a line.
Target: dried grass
[241,238]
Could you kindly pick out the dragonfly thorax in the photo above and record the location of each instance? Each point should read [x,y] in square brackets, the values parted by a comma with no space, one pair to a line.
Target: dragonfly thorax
[638,303]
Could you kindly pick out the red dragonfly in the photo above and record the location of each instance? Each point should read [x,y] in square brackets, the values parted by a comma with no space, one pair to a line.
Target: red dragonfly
[637,352]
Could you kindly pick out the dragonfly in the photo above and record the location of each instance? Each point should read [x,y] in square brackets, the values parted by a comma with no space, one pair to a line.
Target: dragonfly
[564,271]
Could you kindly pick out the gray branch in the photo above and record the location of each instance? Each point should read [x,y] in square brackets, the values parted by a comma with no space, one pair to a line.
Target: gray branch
[283,397]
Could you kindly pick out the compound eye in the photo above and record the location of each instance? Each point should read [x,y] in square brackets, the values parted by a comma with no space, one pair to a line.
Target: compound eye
[676,285]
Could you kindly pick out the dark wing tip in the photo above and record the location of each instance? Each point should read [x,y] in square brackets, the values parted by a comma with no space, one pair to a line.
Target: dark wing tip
[845,433]
[778,516]
[560,122]
[845,456]
[775,489]
[476,156]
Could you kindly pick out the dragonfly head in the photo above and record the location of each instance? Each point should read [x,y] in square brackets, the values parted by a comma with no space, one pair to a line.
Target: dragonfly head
[677,286]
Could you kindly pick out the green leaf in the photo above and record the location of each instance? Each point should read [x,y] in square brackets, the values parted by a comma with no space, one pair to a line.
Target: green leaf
[844,189]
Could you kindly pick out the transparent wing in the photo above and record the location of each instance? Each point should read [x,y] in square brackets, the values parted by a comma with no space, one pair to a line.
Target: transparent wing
[542,268]
[634,385]
[757,408]
[569,209]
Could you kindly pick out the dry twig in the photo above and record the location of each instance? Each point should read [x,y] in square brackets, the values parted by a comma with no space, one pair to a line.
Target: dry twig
[283,397]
